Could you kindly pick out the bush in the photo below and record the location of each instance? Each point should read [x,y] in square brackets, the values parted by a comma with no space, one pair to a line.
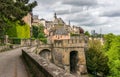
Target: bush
[16,41]
[96,59]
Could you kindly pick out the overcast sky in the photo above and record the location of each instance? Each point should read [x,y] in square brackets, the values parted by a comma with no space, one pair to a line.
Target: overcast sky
[89,14]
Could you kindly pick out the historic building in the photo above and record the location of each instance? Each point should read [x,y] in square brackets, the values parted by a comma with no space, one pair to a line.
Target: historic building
[28,19]
[57,29]
[35,20]
[64,50]
[68,54]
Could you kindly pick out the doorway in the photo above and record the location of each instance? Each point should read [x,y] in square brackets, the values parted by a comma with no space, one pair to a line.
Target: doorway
[73,61]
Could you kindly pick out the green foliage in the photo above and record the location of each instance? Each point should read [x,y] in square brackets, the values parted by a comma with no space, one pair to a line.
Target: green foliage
[40,28]
[41,35]
[16,41]
[11,32]
[44,40]
[108,40]
[18,31]
[35,31]
[16,10]
[87,33]
[38,32]
[114,56]
[23,31]
[13,11]
[96,58]
[112,48]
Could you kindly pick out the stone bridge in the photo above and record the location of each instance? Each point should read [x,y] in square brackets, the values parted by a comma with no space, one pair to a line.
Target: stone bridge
[67,54]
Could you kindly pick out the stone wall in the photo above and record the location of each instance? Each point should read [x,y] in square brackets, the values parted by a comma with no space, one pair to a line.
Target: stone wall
[32,42]
[22,42]
[61,50]
[2,48]
[7,47]
[43,68]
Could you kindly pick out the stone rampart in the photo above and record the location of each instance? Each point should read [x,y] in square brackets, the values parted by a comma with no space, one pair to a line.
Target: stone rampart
[43,68]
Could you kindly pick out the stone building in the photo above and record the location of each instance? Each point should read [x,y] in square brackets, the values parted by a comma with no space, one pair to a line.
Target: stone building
[58,33]
[68,54]
[56,22]
[59,30]
[77,30]
[64,50]
[35,20]
[28,19]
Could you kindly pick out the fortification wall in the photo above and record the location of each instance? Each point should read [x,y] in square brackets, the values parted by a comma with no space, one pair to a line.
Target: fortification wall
[42,67]
[78,42]
[61,53]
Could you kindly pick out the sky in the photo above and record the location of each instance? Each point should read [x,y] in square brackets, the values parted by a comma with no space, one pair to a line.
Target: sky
[99,15]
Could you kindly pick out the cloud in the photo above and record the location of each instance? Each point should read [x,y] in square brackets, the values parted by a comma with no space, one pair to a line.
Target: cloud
[111,13]
[80,2]
[69,10]
[46,2]
[90,14]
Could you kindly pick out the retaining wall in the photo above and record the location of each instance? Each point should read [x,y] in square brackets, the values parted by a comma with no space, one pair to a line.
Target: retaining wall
[41,67]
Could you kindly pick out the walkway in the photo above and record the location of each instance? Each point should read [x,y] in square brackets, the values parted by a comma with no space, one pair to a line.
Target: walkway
[11,64]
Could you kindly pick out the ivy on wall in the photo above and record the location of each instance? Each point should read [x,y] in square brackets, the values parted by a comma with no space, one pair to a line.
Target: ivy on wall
[18,31]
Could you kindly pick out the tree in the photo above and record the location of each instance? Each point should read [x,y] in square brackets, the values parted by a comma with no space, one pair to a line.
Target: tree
[114,56]
[96,59]
[38,32]
[108,40]
[11,10]
[87,33]
[35,31]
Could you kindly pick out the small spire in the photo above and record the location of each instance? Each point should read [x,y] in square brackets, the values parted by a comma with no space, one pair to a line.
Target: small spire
[55,16]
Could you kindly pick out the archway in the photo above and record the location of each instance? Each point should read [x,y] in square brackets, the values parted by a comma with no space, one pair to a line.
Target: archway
[46,54]
[73,61]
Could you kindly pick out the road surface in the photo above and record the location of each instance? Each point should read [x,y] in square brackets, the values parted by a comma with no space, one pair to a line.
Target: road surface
[11,64]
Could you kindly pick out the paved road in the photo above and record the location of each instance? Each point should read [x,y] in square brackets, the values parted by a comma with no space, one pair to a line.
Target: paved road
[11,64]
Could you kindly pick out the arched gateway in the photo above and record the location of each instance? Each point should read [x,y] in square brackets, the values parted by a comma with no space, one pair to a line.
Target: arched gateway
[67,54]
[45,53]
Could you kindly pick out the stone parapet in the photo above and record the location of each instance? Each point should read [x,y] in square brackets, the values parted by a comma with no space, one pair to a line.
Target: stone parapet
[43,68]
[2,48]
[7,47]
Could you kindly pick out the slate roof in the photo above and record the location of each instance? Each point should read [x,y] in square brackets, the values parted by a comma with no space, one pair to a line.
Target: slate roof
[61,31]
